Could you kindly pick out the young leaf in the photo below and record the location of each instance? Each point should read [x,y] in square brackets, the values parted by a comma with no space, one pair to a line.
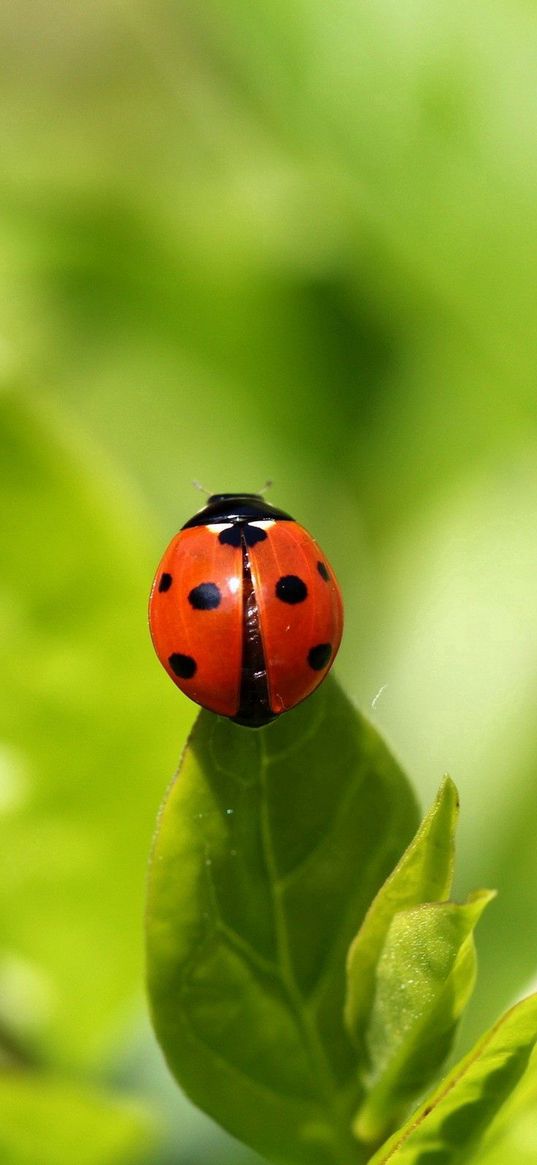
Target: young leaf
[425,977]
[55,1123]
[448,1127]
[270,846]
[424,874]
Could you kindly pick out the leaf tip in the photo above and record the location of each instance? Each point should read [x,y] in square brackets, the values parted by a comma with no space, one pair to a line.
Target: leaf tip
[481,898]
[449,792]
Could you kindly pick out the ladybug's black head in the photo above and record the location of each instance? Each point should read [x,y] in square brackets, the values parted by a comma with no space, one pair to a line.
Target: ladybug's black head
[235,498]
[236,508]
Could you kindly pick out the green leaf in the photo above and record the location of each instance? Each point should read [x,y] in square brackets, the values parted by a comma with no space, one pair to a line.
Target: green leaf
[55,1123]
[512,1134]
[425,976]
[269,849]
[447,1129]
[423,874]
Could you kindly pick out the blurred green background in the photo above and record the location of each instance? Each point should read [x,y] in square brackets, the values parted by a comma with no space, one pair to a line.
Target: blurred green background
[236,242]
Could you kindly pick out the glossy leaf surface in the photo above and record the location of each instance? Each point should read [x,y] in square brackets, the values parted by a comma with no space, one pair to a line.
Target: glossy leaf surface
[266,859]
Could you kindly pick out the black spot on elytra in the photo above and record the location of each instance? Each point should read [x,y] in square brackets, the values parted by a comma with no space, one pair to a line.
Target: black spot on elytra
[183,665]
[323,571]
[253,534]
[165,582]
[319,655]
[291,589]
[233,535]
[205,597]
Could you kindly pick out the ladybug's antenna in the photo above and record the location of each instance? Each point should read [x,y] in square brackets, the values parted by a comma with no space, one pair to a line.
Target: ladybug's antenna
[198,485]
[266,487]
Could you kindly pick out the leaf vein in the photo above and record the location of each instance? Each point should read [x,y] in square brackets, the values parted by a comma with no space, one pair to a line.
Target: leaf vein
[242,947]
[253,1081]
[300,867]
[336,1104]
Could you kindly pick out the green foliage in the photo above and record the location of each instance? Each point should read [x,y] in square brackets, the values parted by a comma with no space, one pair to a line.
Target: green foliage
[449,1125]
[77,753]
[424,979]
[242,241]
[423,874]
[75,801]
[56,1123]
[266,858]
[512,1133]
[269,850]
[411,970]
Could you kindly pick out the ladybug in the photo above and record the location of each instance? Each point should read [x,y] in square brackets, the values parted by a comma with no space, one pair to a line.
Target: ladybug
[245,613]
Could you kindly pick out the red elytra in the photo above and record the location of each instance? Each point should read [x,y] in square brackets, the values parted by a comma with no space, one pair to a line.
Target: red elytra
[245,612]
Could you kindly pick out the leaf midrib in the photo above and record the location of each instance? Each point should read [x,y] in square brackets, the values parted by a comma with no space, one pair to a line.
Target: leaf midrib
[335,1104]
